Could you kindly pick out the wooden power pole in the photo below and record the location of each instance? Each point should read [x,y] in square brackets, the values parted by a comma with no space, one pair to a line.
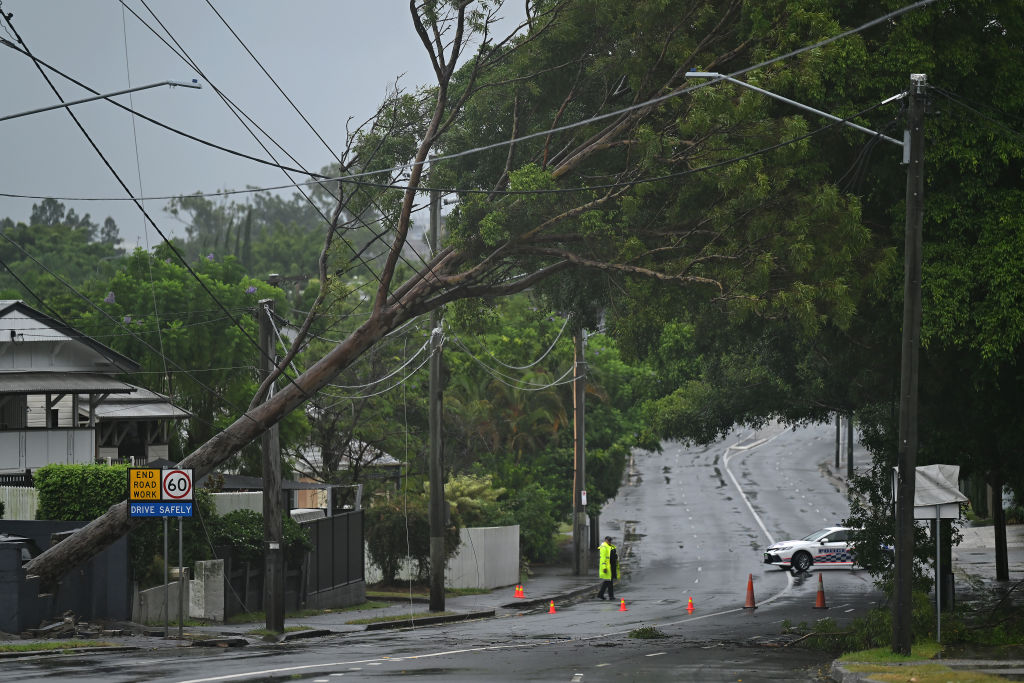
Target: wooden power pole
[579,508]
[273,580]
[437,502]
[902,622]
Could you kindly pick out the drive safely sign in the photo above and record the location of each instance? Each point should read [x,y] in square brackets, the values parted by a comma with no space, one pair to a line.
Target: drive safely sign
[159,493]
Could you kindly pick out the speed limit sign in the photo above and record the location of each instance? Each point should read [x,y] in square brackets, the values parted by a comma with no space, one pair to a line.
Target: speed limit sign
[177,485]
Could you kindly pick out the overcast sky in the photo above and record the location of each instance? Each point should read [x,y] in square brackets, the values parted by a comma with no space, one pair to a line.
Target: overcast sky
[334,58]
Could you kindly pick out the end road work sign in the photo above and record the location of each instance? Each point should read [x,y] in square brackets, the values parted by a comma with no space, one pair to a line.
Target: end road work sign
[159,493]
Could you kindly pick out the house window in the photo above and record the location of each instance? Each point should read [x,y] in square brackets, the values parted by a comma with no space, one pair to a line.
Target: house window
[12,411]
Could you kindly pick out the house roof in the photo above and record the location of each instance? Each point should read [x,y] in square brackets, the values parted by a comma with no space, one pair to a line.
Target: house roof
[142,404]
[122,363]
[61,383]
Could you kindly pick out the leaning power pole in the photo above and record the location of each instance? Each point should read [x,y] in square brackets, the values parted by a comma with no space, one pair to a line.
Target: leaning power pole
[437,503]
[273,580]
[579,507]
[902,634]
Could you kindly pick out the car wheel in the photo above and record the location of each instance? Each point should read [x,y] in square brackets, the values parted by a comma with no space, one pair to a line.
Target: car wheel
[801,562]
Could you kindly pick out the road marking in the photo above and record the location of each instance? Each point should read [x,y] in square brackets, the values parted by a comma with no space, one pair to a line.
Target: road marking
[332,665]
[598,666]
[656,654]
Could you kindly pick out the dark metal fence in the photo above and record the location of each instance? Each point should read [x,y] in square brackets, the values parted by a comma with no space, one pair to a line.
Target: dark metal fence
[337,555]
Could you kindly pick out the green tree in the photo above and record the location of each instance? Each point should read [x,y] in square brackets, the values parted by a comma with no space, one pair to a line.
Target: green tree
[764,233]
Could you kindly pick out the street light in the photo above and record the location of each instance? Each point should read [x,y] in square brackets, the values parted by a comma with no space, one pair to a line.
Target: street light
[173,84]
[913,156]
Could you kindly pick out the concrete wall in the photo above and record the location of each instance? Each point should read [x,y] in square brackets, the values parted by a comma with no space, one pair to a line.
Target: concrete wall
[20,502]
[148,605]
[488,557]
[206,591]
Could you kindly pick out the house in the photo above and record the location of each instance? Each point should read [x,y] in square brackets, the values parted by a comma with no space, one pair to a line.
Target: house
[62,402]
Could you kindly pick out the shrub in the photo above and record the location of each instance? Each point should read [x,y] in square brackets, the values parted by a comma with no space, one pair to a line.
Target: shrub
[73,493]
[242,531]
[395,530]
[534,511]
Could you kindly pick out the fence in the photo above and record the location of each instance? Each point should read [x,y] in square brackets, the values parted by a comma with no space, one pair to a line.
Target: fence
[19,502]
[334,569]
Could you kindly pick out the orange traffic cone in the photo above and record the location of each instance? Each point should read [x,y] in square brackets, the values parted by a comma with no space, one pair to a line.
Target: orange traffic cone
[622,606]
[819,602]
[519,592]
[689,606]
[750,593]
[551,610]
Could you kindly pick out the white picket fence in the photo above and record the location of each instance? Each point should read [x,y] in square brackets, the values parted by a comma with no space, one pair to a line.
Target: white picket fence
[20,502]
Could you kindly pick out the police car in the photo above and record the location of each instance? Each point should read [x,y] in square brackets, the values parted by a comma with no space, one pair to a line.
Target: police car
[828,547]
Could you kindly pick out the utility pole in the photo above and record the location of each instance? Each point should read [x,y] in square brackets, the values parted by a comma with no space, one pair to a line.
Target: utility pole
[849,447]
[273,580]
[437,502]
[579,508]
[902,635]
[839,422]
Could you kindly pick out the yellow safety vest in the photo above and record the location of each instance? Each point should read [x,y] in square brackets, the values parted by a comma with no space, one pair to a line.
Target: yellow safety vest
[604,567]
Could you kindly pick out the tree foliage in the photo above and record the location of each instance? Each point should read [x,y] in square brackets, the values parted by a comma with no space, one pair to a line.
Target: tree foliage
[634,191]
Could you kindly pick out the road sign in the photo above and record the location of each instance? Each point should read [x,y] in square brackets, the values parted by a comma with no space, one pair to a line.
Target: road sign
[160,509]
[159,493]
[143,484]
[177,485]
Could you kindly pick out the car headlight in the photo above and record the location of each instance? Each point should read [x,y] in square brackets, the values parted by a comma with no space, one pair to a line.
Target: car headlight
[780,548]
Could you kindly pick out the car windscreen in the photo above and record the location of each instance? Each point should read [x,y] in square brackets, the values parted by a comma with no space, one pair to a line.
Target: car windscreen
[816,535]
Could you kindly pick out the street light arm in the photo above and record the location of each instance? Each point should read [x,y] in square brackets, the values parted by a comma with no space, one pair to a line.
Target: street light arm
[172,84]
[851,124]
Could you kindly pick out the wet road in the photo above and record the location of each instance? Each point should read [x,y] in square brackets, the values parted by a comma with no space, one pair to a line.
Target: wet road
[691,523]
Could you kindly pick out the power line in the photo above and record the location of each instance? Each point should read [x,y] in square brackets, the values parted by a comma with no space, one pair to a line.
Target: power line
[158,123]
[353,177]
[121,182]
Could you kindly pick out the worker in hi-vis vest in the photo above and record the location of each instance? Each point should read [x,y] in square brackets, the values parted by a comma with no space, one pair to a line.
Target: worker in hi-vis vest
[608,568]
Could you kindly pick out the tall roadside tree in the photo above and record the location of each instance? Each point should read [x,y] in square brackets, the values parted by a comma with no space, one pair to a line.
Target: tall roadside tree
[612,199]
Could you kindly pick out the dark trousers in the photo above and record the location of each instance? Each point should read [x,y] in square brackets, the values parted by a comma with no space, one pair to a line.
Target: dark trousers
[609,586]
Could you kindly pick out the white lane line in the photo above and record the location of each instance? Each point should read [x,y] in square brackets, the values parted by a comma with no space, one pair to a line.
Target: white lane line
[378,660]
[656,654]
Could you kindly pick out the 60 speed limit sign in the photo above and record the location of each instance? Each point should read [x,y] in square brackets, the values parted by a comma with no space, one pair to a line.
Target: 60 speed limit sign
[177,485]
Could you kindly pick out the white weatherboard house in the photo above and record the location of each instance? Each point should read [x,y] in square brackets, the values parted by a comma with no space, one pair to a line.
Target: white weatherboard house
[60,401]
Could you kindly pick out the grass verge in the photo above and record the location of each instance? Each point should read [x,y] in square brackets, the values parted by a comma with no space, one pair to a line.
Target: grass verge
[400,617]
[57,645]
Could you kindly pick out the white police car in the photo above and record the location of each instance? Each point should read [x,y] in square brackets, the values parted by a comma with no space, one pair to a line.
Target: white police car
[828,547]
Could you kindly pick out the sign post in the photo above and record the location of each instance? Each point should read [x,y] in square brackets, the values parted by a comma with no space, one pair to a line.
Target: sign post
[163,493]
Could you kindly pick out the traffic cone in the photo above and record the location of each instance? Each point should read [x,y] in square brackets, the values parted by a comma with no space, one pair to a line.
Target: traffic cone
[519,592]
[551,610]
[819,602]
[750,593]
[689,606]
[622,606]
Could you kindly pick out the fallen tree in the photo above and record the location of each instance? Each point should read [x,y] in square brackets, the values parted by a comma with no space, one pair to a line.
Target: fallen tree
[596,185]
